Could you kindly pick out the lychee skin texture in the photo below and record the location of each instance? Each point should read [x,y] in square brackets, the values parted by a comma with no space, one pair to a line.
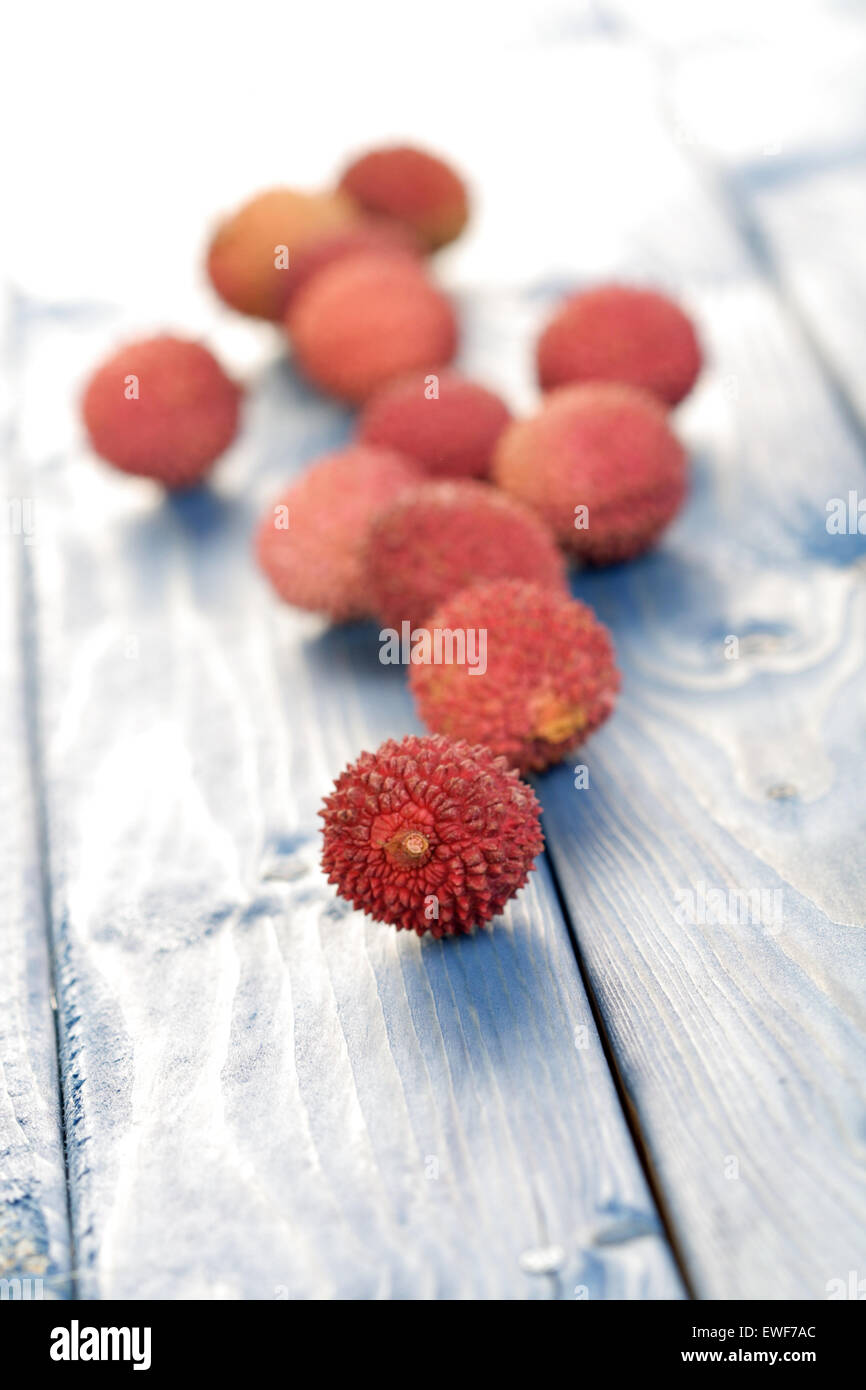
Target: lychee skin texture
[413,187]
[618,333]
[606,448]
[440,537]
[430,835]
[550,676]
[368,319]
[363,237]
[162,408]
[316,561]
[243,259]
[452,433]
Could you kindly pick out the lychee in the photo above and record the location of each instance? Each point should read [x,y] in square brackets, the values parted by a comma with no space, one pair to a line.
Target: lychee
[251,255]
[367,319]
[310,542]
[442,536]
[602,467]
[413,187]
[534,677]
[620,333]
[369,235]
[430,835]
[447,422]
[162,408]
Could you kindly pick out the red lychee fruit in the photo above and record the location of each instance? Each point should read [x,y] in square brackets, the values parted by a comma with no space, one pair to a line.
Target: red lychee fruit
[252,252]
[430,835]
[413,187]
[534,677]
[310,542]
[619,333]
[367,319]
[442,536]
[448,423]
[601,465]
[377,236]
[162,408]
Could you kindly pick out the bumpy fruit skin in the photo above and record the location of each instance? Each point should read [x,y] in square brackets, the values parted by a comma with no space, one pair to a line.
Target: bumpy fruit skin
[368,319]
[430,835]
[316,562]
[606,448]
[452,434]
[550,677]
[376,236]
[162,408]
[619,333]
[413,187]
[442,536]
[242,257]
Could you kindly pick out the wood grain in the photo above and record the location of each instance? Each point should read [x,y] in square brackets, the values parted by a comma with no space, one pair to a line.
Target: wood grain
[739,1027]
[269,1095]
[261,1085]
[34,1226]
[814,230]
[737,769]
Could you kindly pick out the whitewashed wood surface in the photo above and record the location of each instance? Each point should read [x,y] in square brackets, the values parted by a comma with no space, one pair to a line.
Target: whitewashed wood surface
[270,1097]
[35,1253]
[741,1044]
[267,1096]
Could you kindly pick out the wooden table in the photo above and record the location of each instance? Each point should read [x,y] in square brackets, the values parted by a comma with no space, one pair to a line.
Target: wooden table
[647,1081]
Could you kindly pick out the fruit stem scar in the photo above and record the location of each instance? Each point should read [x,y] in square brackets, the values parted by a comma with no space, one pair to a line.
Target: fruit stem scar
[408,847]
[415,843]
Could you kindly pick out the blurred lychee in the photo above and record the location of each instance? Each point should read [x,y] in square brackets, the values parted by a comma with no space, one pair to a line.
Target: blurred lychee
[251,255]
[413,187]
[367,319]
[621,333]
[447,422]
[162,408]
[310,541]
[439,537]
[600,465]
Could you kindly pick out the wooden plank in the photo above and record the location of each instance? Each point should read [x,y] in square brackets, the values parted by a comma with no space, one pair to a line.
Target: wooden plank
[796,72]
[271,1096]
[791,152]
[34,1227]
[736,1019]
[740,1044]
[814,229]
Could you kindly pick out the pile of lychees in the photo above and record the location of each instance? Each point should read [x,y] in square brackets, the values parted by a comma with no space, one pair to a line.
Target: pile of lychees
[446,520]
